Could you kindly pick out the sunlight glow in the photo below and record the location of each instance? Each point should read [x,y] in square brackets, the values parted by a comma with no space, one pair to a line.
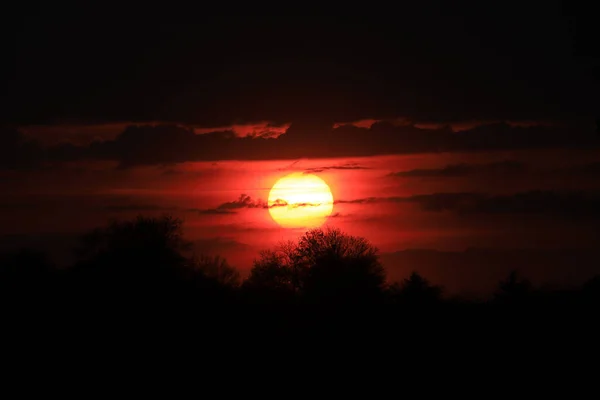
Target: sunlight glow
[300,200]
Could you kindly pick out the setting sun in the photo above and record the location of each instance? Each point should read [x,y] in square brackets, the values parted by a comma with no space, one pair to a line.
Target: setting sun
[300,200]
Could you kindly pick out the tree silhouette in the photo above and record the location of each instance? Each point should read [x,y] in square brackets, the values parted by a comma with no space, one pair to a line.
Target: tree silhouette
[26,273]
[324,265]
[151,234]
[416,290]
[275,271]
[513,289]
[591,290]
[326,279]
[217,268]
[142,257]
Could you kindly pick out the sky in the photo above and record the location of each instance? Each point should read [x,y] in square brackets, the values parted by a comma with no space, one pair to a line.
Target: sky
[461,139]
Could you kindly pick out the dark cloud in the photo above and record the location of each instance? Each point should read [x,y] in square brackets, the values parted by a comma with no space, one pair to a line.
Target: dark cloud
[496,169]
[346,166]
[245,201]
[18,152]
[371,200]
[279,203]
[429,61]
[297,205]
[574,204]
[289,167]
[168,144]
[231,207]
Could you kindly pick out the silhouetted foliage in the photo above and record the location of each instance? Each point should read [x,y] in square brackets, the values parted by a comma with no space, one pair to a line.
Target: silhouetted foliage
[591,290]
[513,289]
[132,255]
[339,266]
[326,279]
[25,273]
[416,290]
[275,271]
[325,265]
[144,261]
[149,234]
[217,268]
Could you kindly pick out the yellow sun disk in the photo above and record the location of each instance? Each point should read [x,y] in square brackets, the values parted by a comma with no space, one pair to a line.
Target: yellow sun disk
[300,201]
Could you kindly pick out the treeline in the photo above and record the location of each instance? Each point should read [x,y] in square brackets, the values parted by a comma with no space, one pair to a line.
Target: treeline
[144,267]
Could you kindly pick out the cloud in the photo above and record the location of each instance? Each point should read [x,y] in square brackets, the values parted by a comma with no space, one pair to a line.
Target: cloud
[522,66]
[371,200]
[262,129]
[346,166]
[231,207]
[169,144]
[364,123]
[502,168]
[245,201]
[572,204]
[278,203]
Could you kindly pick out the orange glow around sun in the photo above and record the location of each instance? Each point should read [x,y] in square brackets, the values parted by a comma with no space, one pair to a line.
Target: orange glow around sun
[300,200]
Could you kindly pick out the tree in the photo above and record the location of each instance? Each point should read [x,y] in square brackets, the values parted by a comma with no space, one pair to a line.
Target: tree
[216,268]
[26,273]
[513,289]
[325,265]
[275,271]
[151,234]
[591,290]
[143,254]
[416,290]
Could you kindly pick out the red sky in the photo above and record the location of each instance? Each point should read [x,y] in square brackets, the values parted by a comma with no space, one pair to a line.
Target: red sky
[77,196]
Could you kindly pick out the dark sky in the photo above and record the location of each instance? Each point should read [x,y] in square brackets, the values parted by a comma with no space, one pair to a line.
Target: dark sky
[428,61]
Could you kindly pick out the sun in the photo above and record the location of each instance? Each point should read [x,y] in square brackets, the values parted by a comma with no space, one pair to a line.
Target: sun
[300,200]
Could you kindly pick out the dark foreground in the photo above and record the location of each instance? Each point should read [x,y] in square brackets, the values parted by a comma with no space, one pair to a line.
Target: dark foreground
[322,300]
